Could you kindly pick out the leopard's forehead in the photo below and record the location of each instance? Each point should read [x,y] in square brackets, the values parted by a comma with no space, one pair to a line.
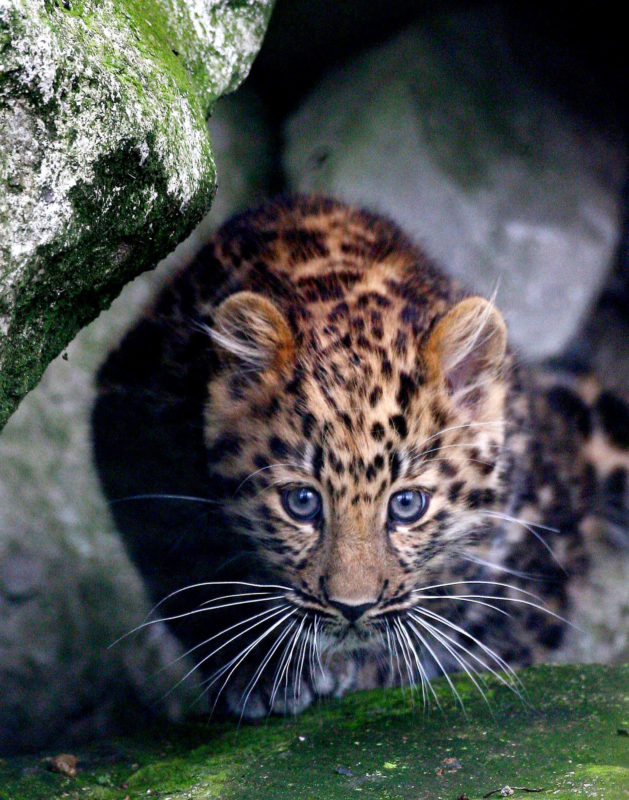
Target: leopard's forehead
[362,409]
[361,359]
[347,416]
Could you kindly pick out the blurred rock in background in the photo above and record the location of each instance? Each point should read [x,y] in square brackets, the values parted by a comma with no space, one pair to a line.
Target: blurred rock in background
[440,130]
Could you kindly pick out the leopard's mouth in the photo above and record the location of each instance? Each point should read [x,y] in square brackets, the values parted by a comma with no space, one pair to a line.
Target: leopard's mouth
[351,637]
[350,642]
[334,632]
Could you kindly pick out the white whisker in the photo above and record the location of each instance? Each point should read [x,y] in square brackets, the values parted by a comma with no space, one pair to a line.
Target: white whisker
[407,664]
[279,670]
[206,658]
[439,433]
[469,598]
[237,660]
[438,662]
[499,567]
[265,599]
[436,659]
[472,598]
[202,610]
[530,527]
[311,663]
[256,676]
[267,612]
[317,646]
[203,584]
[188,498]
[476,583]
[487,650]
[289,659]
[264,469]
[513,683]
[300,663]
[470,445]
[449,644]
[387,627]
[425,682]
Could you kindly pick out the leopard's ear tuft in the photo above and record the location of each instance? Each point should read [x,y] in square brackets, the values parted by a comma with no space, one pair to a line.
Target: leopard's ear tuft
[251,330]
[467,350]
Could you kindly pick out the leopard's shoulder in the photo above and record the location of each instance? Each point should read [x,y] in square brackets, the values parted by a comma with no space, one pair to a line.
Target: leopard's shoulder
[572,488]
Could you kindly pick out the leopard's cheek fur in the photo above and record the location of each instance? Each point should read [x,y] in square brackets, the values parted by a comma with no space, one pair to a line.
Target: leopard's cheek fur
[285,545]
[253,454]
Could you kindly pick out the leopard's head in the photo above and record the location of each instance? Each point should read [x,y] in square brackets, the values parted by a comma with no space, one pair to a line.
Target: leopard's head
[361,455]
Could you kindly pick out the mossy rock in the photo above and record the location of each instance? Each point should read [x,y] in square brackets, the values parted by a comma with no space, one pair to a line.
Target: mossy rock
[565,737]
[105,159]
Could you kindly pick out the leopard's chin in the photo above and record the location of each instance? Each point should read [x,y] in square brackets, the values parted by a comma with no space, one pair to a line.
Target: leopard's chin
[351,639]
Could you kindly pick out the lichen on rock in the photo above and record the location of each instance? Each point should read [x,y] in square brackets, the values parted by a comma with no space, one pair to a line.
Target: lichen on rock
[105,160]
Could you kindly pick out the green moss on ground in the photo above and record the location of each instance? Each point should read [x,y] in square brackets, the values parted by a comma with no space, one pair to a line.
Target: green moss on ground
[567,739]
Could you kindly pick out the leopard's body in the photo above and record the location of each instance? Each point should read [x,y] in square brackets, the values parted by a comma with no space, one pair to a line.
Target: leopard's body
[312,347]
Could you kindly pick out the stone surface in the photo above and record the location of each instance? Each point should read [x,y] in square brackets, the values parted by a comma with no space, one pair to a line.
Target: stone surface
[439,130]
[566,739]
[67,588]
[105,161]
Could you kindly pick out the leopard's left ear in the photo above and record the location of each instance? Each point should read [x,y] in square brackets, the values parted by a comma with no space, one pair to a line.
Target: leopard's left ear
[252,332]
[466,351]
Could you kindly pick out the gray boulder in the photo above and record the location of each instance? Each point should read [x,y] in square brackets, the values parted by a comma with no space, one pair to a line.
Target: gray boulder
[105,160]
[499,183]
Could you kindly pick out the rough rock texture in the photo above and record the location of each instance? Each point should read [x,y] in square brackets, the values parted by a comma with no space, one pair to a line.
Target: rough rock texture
[105,161]
[440,130]
[67,588]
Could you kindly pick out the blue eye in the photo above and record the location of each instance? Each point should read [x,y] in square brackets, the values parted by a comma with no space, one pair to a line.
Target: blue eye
[407,506]
[302,503]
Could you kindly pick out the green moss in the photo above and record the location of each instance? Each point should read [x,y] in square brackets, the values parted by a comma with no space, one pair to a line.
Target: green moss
[155,41]
[375,744]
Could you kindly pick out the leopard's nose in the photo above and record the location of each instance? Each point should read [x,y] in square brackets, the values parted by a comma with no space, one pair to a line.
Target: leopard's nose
[352,613]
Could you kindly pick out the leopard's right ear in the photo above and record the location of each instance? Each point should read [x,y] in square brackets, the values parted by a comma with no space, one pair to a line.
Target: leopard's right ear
[251,331]
[466,353]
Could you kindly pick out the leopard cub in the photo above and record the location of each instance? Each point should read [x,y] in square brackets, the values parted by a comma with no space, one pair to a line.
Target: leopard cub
[341,477]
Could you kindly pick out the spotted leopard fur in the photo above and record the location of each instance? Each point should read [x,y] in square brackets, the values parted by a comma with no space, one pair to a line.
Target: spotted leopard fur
[312,345]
